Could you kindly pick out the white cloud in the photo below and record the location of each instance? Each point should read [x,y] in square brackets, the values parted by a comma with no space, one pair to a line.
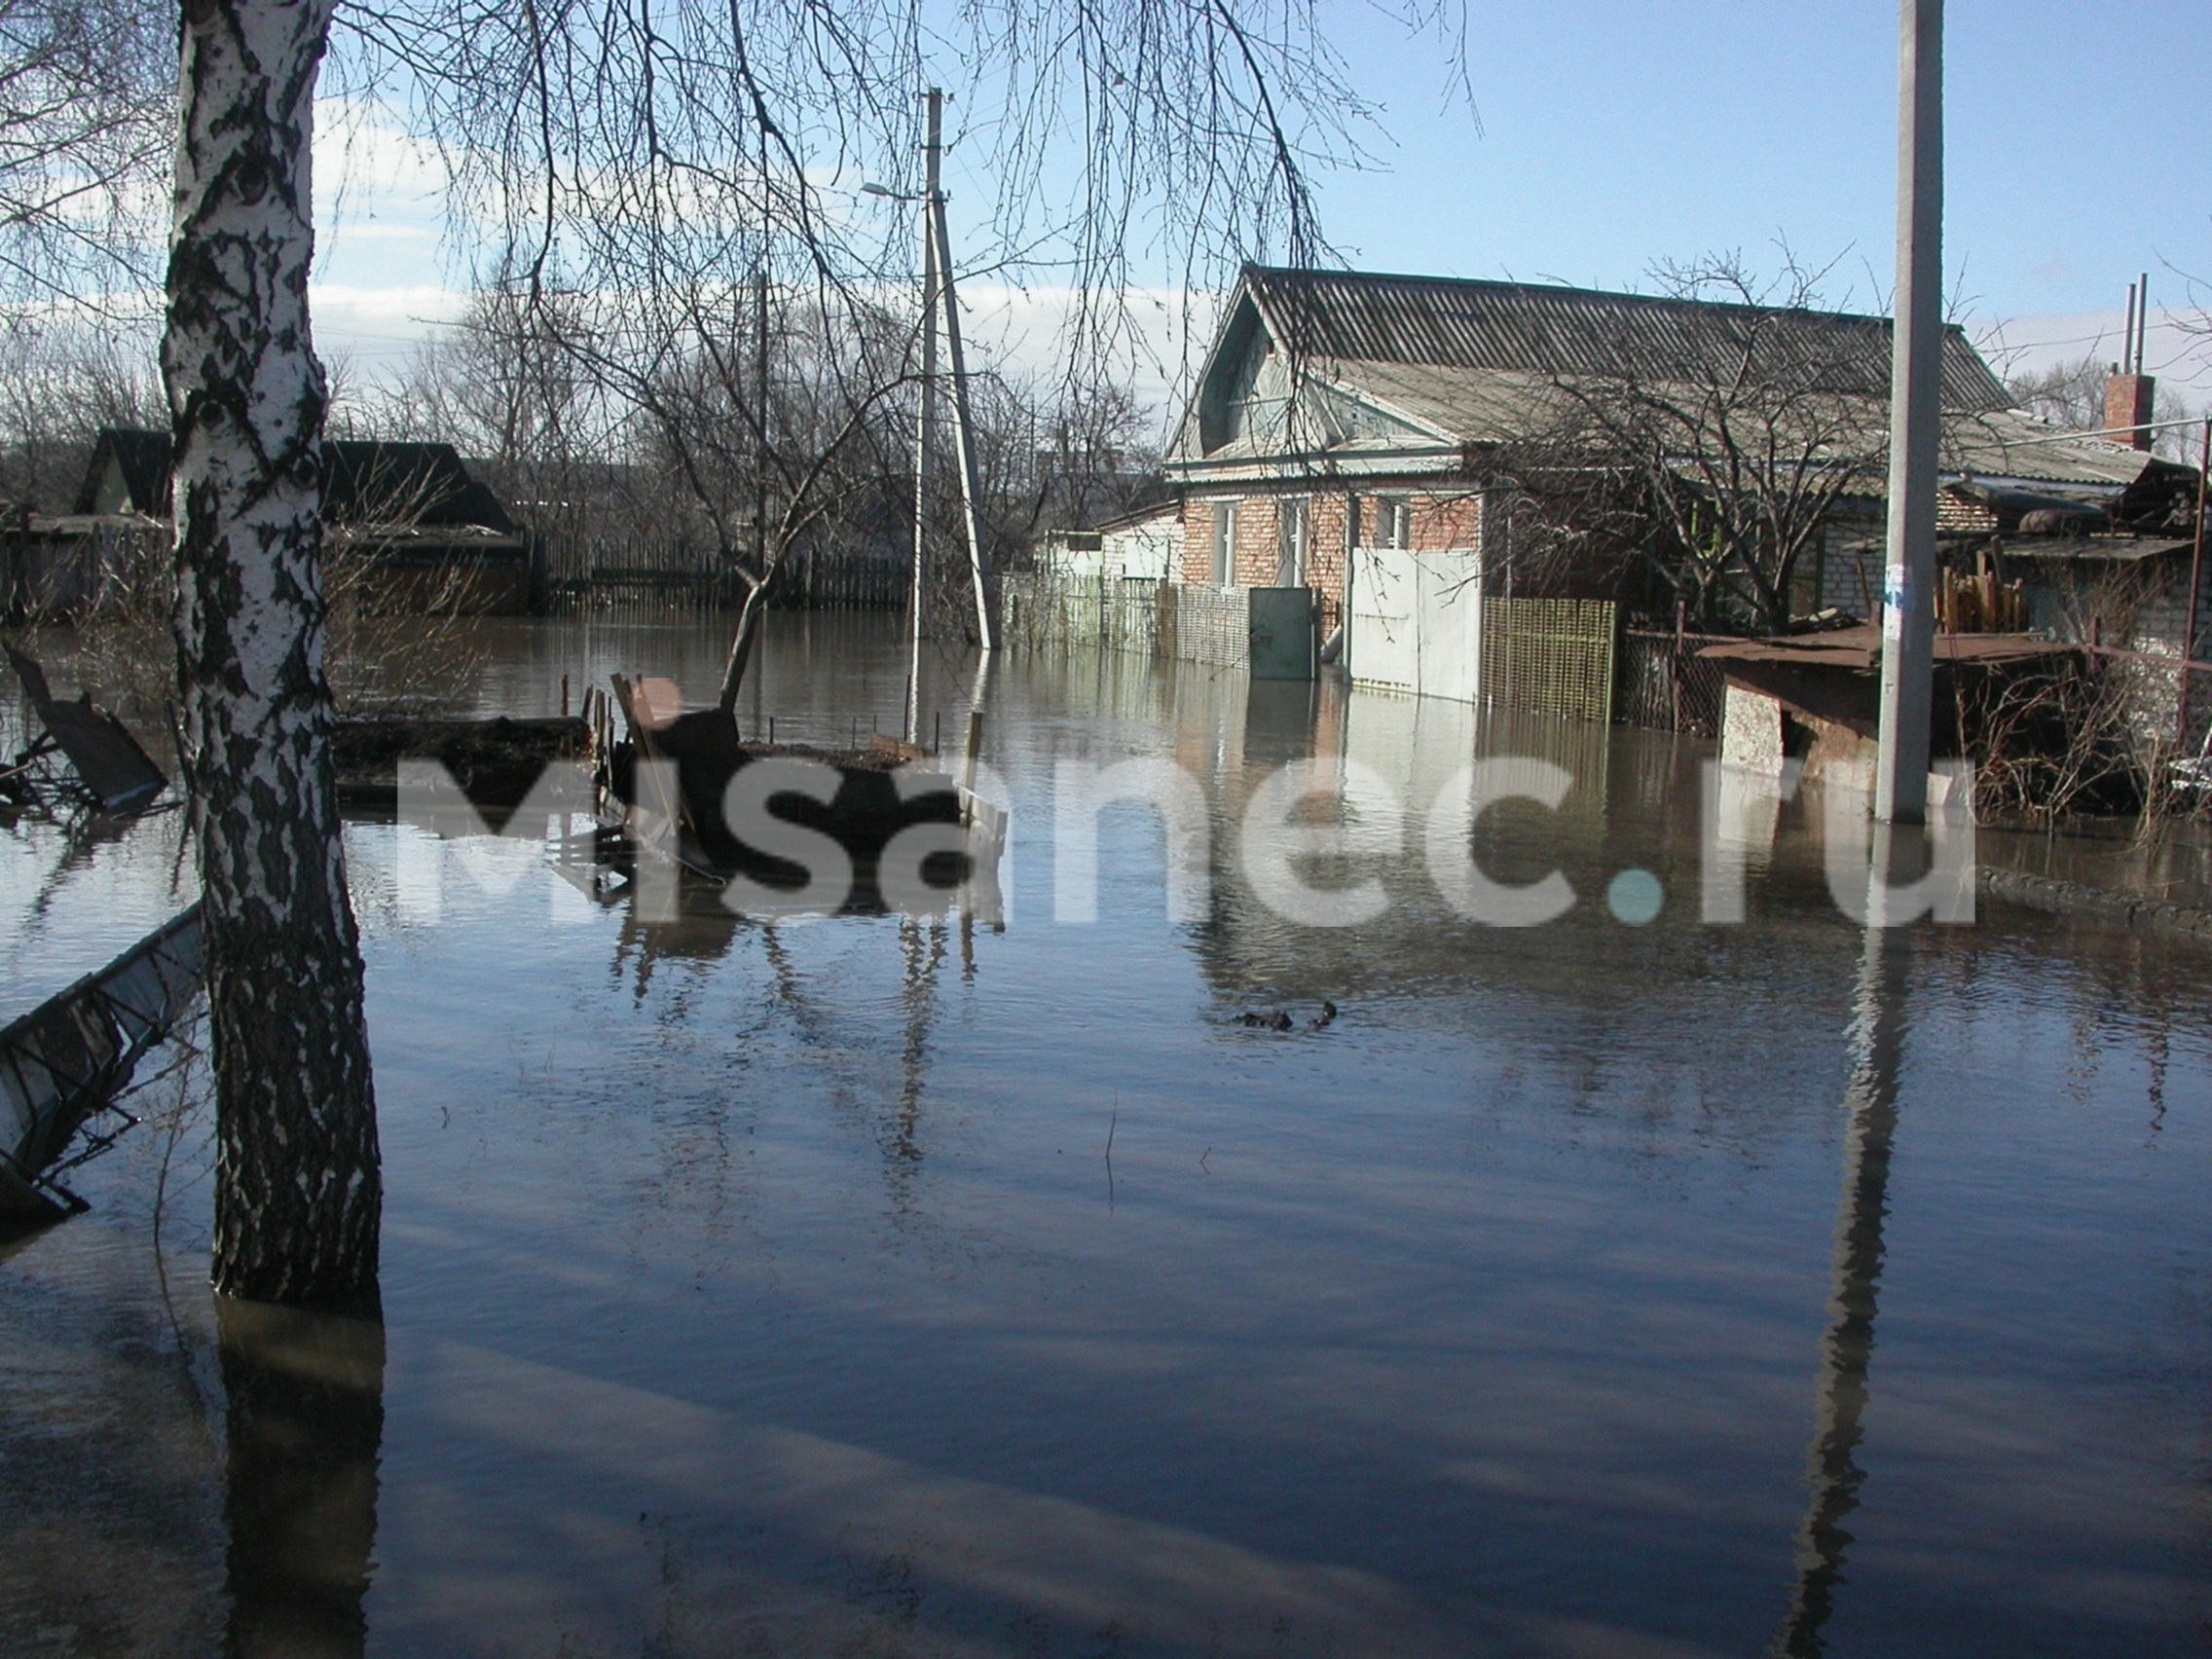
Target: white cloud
[372,328]
[367,163]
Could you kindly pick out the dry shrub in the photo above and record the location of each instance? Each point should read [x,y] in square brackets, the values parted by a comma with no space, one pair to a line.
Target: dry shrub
[2052,741]
[2092,733]
[397,638]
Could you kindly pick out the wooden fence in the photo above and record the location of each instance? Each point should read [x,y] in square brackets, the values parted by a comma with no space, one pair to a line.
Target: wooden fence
[1550,656]
[675,575]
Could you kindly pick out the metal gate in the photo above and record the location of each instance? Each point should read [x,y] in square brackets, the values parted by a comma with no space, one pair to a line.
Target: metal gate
[1416,621]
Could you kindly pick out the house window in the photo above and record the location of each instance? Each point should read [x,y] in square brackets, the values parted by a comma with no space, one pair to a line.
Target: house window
[1290,559]
[1394,521]
[1224,541]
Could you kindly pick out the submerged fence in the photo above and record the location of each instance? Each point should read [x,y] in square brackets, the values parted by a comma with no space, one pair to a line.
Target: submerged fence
[1662,682]
[1574,659]
[678,576]
[1550,656]
[1050,611]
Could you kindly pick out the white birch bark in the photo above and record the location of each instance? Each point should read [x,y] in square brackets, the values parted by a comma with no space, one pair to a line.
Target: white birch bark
[298,1193]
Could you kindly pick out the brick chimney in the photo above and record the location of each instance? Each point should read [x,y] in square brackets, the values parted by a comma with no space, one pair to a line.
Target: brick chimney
[2127,403]
[2129,393]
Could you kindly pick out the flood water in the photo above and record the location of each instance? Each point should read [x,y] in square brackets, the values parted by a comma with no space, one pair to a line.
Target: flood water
[871,1286]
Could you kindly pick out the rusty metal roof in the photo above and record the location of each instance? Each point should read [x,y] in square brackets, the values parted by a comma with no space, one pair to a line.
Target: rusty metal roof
[1859,650]
[1547,329]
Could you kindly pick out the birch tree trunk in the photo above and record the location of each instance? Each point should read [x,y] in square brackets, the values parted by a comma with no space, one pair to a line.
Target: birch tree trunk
[298,1193]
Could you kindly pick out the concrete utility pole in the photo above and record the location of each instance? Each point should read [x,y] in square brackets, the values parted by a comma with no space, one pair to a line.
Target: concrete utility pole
[940,307]
[762,457]
[926,419]
[1916,379]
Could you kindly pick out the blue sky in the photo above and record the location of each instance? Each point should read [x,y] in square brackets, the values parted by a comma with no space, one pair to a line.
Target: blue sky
[1611,136]
[2078,147]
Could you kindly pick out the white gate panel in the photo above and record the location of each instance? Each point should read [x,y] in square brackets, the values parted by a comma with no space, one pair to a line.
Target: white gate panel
[1416,622]
[1381,644]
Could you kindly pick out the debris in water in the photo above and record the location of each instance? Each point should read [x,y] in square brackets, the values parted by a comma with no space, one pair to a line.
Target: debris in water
[111,769]
[497,762]
[68,1057]
[1279,1019]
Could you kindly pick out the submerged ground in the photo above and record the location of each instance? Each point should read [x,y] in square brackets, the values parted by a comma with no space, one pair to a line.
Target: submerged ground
[861,1286]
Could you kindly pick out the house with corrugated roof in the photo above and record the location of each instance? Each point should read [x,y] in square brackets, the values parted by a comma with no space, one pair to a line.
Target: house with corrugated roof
[1365,437]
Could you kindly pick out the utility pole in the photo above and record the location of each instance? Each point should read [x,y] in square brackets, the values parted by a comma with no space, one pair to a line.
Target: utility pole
[940,307]
[1908,613]
[925,427]
[761,410]
[963,428]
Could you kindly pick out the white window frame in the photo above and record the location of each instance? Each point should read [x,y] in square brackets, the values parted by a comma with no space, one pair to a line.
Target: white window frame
[1294,528]
[1393,521]
[1224,544]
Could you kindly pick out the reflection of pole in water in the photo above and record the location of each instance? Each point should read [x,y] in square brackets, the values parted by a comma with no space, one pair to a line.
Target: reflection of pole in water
[922,946]
[1832,1475]
[304,1430]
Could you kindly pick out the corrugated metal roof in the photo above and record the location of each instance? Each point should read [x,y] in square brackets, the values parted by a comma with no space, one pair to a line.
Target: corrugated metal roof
[1546,329]
[2010,443]
[2102,549]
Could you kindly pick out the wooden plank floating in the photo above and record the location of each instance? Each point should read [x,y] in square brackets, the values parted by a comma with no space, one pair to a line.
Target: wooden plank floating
[68,1057]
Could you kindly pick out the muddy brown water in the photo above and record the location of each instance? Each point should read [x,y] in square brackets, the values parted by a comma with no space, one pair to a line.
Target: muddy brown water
[768,1289]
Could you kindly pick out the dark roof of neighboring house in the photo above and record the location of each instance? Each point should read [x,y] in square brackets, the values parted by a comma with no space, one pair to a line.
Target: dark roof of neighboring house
[1549,329]
[422,485]
[144,459]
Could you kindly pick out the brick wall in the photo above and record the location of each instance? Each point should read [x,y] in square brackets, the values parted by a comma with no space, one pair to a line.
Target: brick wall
[1437,522]
[2129,402]
[1257,552]
[1442,523]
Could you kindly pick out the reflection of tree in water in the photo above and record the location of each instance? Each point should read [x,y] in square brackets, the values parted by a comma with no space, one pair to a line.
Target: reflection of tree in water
[305,1433]
[1833,1474]
[922,948]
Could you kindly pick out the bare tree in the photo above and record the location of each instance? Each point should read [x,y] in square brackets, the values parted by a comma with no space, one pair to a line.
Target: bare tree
[86,98]
[1713,455]
[2071,396]
[756,408]
[1053,456]
[504,386]
[662,164]
[58,387]
[678,149]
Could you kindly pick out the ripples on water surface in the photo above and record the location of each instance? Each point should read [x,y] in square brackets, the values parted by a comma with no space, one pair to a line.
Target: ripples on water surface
[768,1289]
